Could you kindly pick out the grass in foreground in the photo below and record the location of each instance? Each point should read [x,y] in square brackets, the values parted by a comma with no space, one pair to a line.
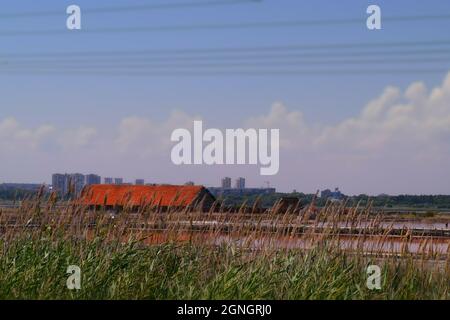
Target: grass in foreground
[38,242]
[36,269]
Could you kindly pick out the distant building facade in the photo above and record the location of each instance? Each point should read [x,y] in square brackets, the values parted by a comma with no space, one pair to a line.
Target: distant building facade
[109,180]
[68,183]
[240,183]
[76,182]
[226,183]
[239,188]
[59,183]
[93,179]
[139,182]
[118,181]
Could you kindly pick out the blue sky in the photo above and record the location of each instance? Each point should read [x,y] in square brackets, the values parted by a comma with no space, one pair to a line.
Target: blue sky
[67,102]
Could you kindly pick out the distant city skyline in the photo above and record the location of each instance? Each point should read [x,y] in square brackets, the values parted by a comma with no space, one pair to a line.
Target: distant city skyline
[368,111]
[62,179]
[63,182]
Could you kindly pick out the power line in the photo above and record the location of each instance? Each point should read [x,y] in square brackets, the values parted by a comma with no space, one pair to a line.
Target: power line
[130,8]
[238,57]
[185,51]
[361,72]
[141,65]
[224,26]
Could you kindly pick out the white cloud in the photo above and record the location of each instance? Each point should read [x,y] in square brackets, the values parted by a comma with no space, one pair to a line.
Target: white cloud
[399,142]
[291,123]
[77,138]
[144,137]
[413,120]
[14,137]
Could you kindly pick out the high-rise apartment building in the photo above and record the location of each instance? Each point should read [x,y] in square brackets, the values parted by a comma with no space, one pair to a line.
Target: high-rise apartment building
[226,183]
[68,183]
[240,183]
[93,179]
[77,182]
[59,183]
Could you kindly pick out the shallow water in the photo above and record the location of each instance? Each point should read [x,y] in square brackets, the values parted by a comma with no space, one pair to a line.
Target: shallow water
[418,225]
[392,245]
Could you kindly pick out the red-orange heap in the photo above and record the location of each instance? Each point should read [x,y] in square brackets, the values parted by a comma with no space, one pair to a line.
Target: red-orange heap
[138,196]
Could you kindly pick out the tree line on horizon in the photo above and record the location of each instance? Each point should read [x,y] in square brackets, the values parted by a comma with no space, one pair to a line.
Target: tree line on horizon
[268,200]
